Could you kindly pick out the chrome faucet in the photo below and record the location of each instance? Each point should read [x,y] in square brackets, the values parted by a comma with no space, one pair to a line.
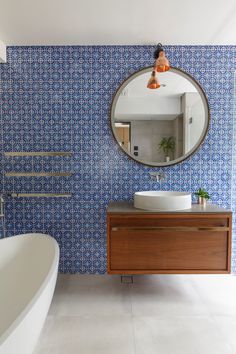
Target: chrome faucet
[157,176]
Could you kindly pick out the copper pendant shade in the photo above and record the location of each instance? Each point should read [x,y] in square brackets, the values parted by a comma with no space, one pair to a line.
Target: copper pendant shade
[162,63]
[153,82]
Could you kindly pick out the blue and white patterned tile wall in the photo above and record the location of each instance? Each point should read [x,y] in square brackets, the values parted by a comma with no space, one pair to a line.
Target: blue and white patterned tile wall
[58,99]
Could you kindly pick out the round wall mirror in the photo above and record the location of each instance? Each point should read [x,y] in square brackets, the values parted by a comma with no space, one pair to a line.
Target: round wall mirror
[160,127]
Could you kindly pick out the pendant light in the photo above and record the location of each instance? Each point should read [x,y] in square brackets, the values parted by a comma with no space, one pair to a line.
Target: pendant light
[153,82]
[161,65]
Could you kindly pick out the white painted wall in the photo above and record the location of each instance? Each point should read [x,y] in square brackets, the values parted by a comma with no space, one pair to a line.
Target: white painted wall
[193,109]
[90,22]
[197,125]
[147,105]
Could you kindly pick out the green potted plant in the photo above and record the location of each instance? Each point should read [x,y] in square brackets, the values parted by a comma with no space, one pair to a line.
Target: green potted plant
[167,145]
[202,195]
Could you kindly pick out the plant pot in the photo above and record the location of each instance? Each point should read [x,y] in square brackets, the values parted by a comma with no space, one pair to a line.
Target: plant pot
[167,158]
[202,201]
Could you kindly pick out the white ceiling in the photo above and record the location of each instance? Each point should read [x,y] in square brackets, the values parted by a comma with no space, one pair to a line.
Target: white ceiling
[121,22]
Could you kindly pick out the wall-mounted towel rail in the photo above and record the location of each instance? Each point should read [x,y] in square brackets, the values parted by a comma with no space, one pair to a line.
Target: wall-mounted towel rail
[37,153]
[38,174]
[40,195]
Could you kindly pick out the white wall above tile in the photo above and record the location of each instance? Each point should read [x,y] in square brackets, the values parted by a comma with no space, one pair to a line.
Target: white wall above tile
[123,22]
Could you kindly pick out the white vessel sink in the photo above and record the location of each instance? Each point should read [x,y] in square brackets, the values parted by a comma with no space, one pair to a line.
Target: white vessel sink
[162,200]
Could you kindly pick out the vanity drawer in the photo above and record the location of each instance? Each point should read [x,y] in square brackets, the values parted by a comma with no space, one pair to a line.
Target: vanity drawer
[169,220]
[150,250]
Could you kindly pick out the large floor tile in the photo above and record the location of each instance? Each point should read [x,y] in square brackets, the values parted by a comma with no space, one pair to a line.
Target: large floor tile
[218,293]
[179,335]
[87,335]
[81,295]
[166,295]
[161,314]
[227,324]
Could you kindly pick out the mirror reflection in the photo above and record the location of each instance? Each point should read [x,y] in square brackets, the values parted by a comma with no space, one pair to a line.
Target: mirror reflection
[163,126]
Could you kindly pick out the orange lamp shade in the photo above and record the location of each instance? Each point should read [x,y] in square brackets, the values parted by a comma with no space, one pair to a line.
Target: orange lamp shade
[153,82]
[162,63]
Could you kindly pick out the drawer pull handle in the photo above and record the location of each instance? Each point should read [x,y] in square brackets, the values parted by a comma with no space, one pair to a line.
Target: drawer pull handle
[172,228]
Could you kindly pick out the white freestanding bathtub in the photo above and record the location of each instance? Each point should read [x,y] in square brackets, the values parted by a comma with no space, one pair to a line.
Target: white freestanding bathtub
[28,273]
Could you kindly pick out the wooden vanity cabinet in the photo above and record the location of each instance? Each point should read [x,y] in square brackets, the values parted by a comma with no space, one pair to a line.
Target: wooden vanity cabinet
[168,243]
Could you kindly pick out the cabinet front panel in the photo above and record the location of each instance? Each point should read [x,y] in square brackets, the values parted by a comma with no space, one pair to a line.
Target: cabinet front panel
[133,249]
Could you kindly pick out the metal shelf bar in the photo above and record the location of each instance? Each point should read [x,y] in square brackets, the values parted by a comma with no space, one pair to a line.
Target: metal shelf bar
[37,153]
[38,174]
[37,195]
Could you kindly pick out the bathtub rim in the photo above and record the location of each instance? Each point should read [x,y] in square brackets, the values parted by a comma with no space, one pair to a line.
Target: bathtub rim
[30,304]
